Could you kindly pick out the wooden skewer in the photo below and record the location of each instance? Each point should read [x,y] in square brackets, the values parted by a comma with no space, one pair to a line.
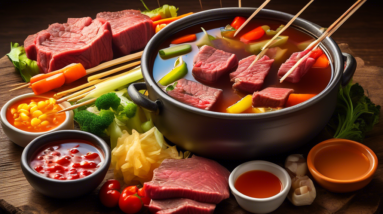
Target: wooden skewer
[239,3]
[63,93]
[200,2]
[78,97]
[18,84]
[107,73]
[268,44]
[251,17]
[220,2]
[23,86]
[158,1]
[333,28]
[78,105]
[75,94]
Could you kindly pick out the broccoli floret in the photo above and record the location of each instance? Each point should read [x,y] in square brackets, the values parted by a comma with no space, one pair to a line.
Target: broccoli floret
[93,123]
[107,101]
[129,110]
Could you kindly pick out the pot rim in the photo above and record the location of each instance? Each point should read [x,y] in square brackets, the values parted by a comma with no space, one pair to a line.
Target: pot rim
[328,44]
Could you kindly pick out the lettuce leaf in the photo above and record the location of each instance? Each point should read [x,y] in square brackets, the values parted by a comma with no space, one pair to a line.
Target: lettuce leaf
[166,11]
[26,67]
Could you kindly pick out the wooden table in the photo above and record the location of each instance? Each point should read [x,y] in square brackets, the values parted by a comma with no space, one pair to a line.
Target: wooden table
[363,33]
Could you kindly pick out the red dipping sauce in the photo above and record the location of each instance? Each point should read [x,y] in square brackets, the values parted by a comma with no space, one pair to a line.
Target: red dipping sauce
[258,184]
[67,159]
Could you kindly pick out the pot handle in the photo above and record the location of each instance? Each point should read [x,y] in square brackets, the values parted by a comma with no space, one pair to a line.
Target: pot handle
[140,99]
[349,68]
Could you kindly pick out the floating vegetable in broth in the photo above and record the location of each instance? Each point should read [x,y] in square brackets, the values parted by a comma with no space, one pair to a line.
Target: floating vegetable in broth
[205,39]
[180,70]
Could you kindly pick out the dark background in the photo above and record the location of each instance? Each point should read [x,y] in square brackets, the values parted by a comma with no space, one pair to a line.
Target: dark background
[363,31]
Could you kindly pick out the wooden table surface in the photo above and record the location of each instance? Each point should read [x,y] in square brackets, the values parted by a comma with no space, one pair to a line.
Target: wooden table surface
[363,32]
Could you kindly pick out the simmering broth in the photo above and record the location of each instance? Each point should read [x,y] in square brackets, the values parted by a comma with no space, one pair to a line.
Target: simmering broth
[315,80]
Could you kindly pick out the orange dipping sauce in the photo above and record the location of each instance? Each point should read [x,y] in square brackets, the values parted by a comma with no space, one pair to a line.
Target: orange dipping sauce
[35,114]
[341,162]
[258,184]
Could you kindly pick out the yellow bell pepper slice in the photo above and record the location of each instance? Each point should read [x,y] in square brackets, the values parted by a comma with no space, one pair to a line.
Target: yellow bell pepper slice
[241,105]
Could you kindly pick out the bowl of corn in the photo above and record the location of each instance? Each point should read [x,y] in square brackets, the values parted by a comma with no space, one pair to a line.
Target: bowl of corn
[28,116]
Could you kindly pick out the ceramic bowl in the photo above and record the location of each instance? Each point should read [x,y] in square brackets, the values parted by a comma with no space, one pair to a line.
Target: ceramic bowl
[260,205]
[340,186]
[22,138]
[64,188]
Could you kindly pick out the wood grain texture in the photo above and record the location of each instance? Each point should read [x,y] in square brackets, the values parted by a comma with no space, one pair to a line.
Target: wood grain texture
[363,32]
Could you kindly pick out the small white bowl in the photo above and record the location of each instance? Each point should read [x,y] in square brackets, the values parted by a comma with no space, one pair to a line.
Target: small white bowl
[22,138]
[260,205]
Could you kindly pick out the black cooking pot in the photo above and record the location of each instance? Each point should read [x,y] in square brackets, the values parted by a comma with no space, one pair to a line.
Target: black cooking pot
[240,136]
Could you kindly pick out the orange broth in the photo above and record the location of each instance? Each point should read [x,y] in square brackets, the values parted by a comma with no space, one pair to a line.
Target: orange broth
[258,184]
[315,80]
[341,162]
[53,120]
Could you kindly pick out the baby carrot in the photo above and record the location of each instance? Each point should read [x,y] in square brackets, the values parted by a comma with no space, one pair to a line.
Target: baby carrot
[183,39]
[322,62]
[45,85]
[169,20]
[74,73]
[252,35]
[156,18]
[295,99]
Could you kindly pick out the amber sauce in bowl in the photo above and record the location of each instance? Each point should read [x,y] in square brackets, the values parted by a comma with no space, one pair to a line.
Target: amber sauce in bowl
[258,184]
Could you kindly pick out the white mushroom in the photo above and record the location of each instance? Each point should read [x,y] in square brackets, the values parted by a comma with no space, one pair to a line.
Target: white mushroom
[302,191]
[296,165]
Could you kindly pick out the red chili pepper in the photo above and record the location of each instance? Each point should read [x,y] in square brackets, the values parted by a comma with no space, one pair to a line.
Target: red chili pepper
[109,193]
[237,22]
[253,35]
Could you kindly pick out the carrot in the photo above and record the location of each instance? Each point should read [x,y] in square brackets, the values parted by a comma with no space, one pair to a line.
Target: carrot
[45,85]
[237,22]
[156,18]
[169,20]
[316,53]
[183,39]
[39,77]
[74,73]
[252,35]
[295,99]
[322,62]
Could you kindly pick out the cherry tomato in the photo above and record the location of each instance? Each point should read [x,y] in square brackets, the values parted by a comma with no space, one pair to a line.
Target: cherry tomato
[144,198]
[237,22]
[109,193]
[130,190]
[73,151]
[130,204]
[91,155]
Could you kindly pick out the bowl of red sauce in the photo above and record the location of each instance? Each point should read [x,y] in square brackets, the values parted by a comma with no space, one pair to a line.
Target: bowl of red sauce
[259,186]
[28,116]
[66,164]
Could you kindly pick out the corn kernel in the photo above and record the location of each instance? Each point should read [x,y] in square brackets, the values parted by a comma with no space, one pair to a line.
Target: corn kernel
[35,122]
[18,123]
[44,123]
[34,108]
[37,113]
[18,119]
[25,123]
[15,116]
[21,106]
[32,104]
[23,111]
[43,117]
[41,104]
[52,101]
[24,116]
[26,107]
[13,110]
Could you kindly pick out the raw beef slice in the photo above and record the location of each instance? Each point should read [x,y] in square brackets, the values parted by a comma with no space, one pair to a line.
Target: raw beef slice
[180,206]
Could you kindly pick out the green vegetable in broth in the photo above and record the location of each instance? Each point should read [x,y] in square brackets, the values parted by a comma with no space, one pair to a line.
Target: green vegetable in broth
[303,45]
[276,53]
[228,31]
[273,32]
[175,51]
[26,67]
[180,70]
[205,39]
[256,47]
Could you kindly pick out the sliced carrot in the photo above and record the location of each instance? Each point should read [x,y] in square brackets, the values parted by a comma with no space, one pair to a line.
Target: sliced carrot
[74,73]
[156,18]
[39,77]
[322,62]
[169,20]
[252,35]
[238,22]
[316,53]
[45,85]
[295,99]
[183,39]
